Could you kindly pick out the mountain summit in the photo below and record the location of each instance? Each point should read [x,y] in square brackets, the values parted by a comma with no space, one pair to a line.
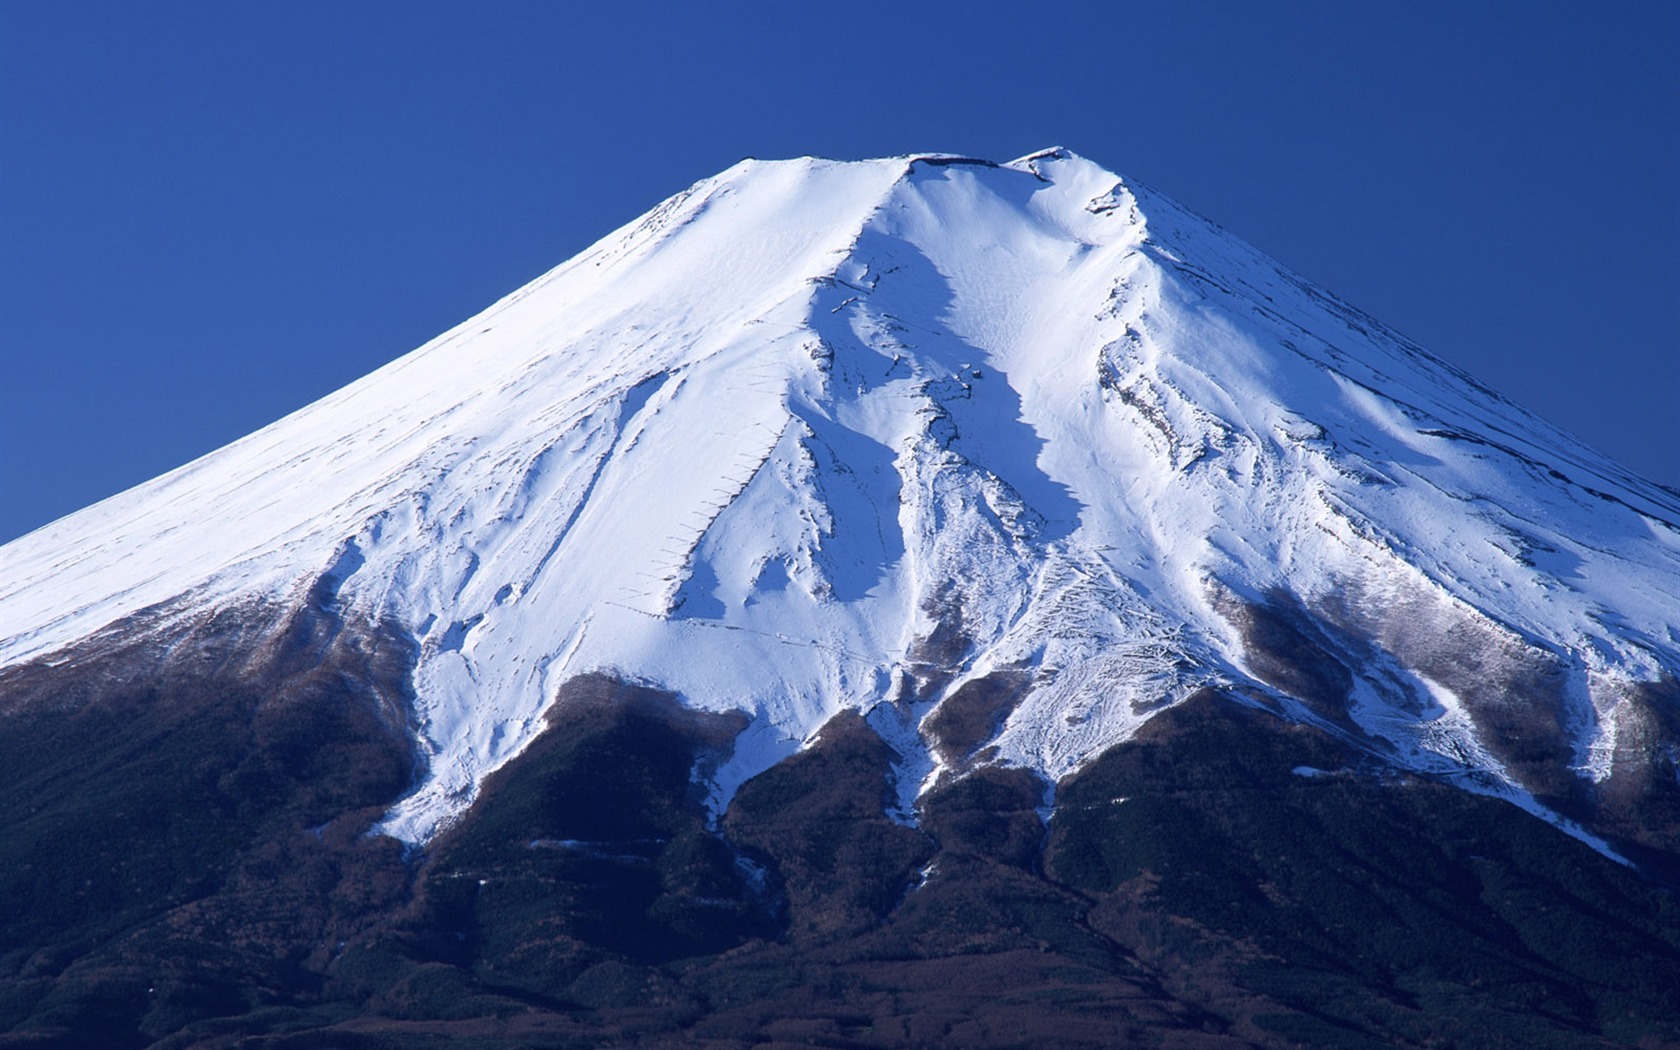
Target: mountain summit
[987,467]
[817,436]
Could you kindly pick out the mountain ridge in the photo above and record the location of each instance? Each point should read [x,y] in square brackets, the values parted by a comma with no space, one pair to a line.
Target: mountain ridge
[920,602]
[929,373]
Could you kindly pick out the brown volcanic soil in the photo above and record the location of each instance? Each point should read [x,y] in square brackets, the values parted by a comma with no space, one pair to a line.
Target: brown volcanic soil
[184,866]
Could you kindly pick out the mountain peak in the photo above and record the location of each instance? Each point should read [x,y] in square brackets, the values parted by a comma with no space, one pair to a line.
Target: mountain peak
[890,436]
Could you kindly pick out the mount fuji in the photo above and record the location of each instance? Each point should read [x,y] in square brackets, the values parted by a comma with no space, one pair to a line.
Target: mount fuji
[852,568]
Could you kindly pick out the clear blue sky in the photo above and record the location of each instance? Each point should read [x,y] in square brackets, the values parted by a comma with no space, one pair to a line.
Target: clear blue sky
[212,213]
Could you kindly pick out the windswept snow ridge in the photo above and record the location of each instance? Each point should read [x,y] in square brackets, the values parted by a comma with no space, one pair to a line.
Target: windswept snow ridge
[813,435]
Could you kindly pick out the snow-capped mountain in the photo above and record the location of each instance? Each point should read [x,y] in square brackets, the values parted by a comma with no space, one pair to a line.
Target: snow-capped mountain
[918,602]
[1024,446]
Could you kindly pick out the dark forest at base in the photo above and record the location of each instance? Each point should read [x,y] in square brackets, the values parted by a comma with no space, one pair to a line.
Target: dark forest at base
[185,865]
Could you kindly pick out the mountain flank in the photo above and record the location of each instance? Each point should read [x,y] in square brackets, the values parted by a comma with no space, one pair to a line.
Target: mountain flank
[913,602]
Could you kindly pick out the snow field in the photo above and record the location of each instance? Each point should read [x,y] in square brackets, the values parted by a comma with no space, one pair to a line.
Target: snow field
[815,436]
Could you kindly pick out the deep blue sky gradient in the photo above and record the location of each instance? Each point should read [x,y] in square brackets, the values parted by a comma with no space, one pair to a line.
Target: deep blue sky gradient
[212,213]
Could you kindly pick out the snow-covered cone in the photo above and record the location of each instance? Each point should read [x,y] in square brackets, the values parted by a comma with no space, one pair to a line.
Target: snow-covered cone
[1001,462]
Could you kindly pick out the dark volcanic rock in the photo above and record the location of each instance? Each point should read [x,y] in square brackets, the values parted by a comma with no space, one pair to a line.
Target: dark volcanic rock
[188,857]
[1382,910]
[819,819]
[185,818]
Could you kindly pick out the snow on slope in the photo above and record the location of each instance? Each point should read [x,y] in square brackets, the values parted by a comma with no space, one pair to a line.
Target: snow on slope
[817,435]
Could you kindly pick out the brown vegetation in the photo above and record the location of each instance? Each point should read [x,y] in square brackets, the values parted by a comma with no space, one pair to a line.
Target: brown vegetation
[186,867]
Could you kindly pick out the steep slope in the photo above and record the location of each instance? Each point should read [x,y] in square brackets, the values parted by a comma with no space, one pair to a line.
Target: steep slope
[912,602]
[1020,449]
